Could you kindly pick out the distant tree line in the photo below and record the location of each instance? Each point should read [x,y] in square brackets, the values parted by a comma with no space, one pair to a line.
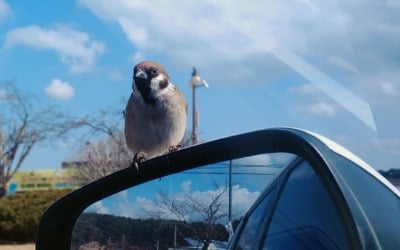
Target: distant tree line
[391,173]
[139,233]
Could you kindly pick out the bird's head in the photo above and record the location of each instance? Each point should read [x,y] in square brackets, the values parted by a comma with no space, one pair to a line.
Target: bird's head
[150,79]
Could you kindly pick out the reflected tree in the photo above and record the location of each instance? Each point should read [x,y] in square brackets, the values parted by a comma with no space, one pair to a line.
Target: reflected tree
[200,215]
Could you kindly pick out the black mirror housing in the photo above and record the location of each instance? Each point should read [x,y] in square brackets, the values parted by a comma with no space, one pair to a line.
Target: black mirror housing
[57,223]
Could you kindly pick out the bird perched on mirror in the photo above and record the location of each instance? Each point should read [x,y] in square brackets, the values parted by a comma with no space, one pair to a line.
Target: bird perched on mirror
[155,115]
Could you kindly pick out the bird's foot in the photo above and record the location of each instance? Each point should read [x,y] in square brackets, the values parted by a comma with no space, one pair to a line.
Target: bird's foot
[137,159]
[174,148]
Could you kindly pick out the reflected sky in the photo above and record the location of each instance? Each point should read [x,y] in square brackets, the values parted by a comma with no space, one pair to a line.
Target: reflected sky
[250,176]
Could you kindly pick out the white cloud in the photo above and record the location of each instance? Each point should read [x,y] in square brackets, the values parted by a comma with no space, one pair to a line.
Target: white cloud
[59,89]
[196,32]
[98,207]
[142,207]
[322,109]
[387,145]
[75,48]
[3,95]
[309,93]
[305,89]
[67,143]
[343,63]
[186,186]
[219,35]
[229,27]
[313,94]
[135,33]
[330,44]
[115,75]
[5,10]
[137,57]
[124,206]
[310,4]
[393,3]
[389,89]
[242,199]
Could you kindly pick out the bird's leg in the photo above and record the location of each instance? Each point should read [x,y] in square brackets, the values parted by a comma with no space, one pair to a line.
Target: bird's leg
[174,148]
[137,158]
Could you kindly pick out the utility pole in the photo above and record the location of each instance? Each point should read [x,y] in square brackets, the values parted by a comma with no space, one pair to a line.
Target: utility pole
[195,120]
[175,236]
[195,82]
[230,225]
[230,192]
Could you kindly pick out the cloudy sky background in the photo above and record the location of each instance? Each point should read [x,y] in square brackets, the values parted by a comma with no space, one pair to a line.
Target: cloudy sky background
[330,67]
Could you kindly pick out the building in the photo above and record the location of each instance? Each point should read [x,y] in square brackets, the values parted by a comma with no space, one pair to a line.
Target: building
[45,179]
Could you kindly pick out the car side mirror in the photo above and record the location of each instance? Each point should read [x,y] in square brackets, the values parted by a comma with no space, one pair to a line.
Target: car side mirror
[270,161]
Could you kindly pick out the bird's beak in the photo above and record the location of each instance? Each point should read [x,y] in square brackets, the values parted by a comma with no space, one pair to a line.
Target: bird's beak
[141,75]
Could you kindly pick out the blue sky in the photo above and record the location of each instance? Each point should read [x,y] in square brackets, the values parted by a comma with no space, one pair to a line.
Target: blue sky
[332,68]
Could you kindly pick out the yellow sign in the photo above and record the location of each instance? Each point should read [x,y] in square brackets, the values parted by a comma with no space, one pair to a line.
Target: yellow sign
[42,180]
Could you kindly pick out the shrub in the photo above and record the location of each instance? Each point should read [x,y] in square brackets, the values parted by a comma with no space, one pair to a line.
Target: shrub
[20,213]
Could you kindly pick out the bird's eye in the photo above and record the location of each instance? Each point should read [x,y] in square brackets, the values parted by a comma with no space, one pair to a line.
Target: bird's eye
[153,72]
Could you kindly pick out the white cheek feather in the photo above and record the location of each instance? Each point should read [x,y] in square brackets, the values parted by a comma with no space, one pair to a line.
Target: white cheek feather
[155,84]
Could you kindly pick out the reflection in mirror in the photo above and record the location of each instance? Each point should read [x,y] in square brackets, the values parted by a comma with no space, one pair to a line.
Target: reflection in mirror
[197,208]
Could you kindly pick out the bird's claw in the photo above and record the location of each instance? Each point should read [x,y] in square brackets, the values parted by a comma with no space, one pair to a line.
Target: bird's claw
[137,159]
[174,148]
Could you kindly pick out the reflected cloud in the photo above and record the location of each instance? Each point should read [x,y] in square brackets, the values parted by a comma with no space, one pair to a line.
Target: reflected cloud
[98,208]
[123,204]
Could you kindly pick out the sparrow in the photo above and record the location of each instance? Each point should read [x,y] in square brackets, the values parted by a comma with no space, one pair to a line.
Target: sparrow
[155,115]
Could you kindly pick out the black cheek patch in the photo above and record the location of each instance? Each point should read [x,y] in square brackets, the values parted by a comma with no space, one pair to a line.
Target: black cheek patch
[163,84]
[143,87]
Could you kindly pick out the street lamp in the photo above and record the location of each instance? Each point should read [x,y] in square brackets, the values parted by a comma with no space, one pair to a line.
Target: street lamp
[195,82]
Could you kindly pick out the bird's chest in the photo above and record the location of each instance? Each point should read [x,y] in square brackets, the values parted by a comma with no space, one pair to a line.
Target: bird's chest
[157,119]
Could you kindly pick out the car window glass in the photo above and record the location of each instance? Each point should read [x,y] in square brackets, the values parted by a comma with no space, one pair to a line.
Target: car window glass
[305,216]
[381,207]
[251,230]
[187,209]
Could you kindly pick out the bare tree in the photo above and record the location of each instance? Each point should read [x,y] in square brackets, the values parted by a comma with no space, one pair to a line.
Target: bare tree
[22,127]
[102,157]
[107,122]
[190,207]
[104,150]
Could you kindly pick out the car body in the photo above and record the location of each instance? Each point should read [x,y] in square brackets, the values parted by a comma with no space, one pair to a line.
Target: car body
[344,204]
[324,197]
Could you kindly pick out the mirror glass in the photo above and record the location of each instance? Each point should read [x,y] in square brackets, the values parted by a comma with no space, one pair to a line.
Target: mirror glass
[190,209]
